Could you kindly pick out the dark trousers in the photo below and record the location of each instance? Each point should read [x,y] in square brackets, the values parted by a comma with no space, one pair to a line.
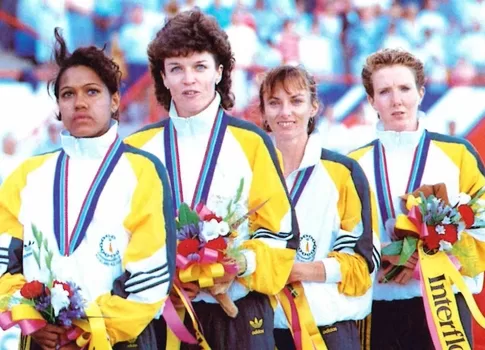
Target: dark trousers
[339,336]
[251,329]
[401,324]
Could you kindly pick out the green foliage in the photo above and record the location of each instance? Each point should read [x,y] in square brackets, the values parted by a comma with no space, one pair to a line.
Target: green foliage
[187,216]
[408,248]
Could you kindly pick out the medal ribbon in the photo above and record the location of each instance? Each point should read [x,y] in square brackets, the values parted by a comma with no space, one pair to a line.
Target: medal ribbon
[383,188]
[68,243]
[172,161]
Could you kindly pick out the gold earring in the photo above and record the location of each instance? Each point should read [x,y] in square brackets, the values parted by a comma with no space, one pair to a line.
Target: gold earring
[266,126]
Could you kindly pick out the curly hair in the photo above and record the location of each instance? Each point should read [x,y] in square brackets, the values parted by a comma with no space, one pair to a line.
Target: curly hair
[92,57]
[186,33]
[390,57]
[288,76]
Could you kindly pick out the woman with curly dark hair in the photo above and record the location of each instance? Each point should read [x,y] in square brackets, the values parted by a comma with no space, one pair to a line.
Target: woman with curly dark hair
[96,201]
[191,63]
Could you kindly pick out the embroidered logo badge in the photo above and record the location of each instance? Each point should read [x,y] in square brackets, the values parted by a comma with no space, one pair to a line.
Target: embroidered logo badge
[28,249]
[132,344]
[257,326]
[307,248]
[108,253]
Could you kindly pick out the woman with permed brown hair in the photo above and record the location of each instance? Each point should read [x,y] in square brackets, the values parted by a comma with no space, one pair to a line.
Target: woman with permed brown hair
[402,159]
[191,63]
[96,202]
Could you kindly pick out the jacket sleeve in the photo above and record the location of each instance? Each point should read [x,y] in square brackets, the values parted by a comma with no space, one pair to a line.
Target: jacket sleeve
[271,250]
[149,261]
[11,229]
[355,256]
[472,180]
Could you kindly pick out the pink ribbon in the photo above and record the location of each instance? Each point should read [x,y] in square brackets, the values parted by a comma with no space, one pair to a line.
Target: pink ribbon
[175,324]
[27,327]
[71,335]
[416,218]
[231,269]
[207,256]
[295,320]
[173,320]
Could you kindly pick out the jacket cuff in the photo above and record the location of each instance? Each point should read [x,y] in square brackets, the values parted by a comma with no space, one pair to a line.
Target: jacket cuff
[332,270]
[250,262]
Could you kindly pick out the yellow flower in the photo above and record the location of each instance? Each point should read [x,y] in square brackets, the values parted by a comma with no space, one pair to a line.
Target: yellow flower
[412,202]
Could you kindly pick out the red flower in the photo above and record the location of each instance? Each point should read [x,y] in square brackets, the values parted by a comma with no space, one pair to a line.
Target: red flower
[32,290]
[206,214]
[467,215]
[432,240]
[188,246]
[211,216]
[218,244]
[65,286]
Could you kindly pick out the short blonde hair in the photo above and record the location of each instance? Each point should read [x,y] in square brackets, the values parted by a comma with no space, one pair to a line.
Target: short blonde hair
[390,57]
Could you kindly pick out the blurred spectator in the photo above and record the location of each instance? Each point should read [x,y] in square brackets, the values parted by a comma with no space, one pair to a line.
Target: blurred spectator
[107,16]
[288,41]
[24,42]
[363,37]
[244,44]
[303,20]
[473,11]
[284,8]
[50,14]
[436,70]
[472,46]
[134,37]
[268,55]
[394,40]
[464,73]
[331,26]
[268,22]
[9,159]
[334,134]
[315,51]
[408,26]
[187,5]
[452,128]
[431,48]
[52,139]
[80,16]
[220,12]
[430,18]
[363,129]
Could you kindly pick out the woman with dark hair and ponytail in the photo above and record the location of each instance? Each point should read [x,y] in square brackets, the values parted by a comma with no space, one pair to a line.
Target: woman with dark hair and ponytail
[329,287]
[97,201]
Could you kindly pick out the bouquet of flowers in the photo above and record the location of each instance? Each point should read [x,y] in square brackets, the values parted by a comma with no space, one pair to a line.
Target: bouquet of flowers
[50,302]
[207,247]
[434,220]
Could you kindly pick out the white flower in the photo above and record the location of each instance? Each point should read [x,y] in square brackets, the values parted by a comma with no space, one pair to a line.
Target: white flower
[213,230]
[59,298]
[445,246]
[223,228]
[463,198]
[440,229]
[209,230]
[446,220]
